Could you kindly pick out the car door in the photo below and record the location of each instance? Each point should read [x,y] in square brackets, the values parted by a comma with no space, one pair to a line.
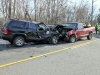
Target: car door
[32,32]
[42,31]
[80,31]
[86,31]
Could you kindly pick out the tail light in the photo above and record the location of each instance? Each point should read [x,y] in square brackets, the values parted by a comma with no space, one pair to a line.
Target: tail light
[5,31]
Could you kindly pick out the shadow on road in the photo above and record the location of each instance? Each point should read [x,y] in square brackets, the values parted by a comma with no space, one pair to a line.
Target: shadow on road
[11,47]
[96,35]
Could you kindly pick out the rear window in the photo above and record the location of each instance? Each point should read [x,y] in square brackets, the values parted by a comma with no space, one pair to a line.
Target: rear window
[32,26]
[18,24]
[6,23]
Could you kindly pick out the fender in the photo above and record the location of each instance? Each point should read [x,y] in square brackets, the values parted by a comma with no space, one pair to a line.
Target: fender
[19,34]
[72,32]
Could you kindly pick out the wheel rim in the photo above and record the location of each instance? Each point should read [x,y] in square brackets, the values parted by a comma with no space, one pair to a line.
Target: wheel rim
[54,39]
[73,39]
[19,42]
[90,36]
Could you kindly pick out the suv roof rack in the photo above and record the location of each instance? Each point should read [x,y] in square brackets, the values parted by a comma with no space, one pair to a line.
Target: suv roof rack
[14,19]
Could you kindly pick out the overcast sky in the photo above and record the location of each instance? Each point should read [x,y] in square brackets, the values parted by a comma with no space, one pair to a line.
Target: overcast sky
[98,3]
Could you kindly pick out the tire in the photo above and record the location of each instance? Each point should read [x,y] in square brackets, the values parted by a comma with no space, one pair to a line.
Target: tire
[18,41]
[89,37]
[72,39]
[53,40]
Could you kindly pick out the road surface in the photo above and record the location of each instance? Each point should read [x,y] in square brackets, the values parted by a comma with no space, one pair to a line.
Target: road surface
[79,58]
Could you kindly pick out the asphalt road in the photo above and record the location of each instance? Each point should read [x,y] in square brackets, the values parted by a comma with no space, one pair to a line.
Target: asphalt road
[79,58]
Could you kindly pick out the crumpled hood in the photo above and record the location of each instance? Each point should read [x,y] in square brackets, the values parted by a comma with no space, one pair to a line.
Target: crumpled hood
[53,27]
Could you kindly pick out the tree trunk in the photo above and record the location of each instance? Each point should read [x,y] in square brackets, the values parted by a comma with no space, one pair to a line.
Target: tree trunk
[10,4]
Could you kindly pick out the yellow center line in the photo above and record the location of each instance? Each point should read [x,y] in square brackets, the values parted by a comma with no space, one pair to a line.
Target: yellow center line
[60,50]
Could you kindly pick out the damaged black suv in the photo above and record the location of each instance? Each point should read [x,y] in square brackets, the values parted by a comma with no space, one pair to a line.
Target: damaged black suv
[17,32]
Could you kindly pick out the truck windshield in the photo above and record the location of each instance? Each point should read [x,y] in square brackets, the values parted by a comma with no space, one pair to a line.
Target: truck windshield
[71,25]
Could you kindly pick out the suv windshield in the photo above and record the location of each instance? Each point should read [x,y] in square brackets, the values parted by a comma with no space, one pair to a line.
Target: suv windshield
[71,25]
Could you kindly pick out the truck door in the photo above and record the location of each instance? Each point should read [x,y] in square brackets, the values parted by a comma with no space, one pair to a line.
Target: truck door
[80,31]
[32,31]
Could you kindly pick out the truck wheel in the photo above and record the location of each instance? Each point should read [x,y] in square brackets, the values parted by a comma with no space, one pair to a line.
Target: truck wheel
[54,40]
[19,41]
[89,37]
[72,39]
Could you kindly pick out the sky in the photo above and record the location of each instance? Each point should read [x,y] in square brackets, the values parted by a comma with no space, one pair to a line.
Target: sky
[98,3]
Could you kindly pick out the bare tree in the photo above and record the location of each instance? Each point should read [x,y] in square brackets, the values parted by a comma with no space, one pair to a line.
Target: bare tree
[92,11]
[10,5]
[48,11]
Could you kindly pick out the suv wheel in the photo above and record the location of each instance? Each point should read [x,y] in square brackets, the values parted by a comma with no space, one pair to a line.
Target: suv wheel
[72,39]
[19,41]
[54,40]
[89,37]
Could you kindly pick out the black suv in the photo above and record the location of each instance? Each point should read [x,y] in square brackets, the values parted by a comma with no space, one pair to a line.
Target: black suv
[17,32]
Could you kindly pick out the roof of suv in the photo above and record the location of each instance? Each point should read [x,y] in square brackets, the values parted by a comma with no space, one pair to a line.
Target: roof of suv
[75,22]
[27,21]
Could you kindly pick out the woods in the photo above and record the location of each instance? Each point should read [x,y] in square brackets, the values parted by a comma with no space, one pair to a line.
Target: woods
[48,11]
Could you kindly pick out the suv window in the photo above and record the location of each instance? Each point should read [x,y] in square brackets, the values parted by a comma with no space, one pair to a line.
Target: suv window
[32,26]
[80,26]
[42,26]
[7,22]
[18,24]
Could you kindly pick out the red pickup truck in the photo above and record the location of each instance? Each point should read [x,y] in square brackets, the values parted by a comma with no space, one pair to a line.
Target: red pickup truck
[73,31]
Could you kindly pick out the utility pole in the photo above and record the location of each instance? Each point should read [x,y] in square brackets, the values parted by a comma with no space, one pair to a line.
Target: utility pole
[10,4]
[15,9]
[35,8]
[92,11]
